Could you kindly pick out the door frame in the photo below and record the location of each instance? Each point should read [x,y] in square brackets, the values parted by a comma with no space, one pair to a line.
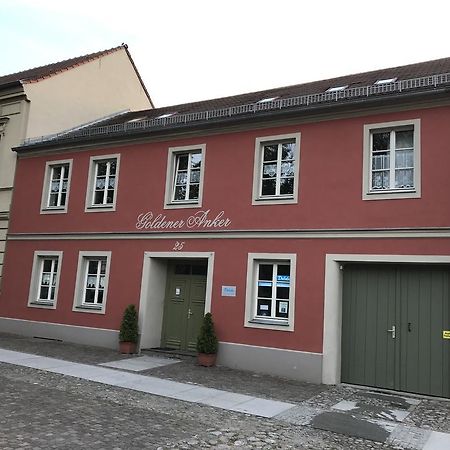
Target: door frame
[332,315]
[153,290]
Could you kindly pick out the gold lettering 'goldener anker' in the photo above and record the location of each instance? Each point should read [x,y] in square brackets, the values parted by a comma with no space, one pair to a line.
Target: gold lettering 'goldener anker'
[199,220]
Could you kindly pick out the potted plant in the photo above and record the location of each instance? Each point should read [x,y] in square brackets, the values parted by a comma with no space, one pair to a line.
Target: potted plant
[207,343]
[129,331]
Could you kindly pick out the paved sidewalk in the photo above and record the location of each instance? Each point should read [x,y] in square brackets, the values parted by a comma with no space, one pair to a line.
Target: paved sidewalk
[151,385]
[356,417]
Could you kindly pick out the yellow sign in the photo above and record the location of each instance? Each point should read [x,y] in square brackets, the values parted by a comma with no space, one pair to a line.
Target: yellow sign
[446,334]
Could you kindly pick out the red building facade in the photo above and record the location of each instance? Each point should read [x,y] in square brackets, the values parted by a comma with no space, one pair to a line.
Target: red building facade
[318,235]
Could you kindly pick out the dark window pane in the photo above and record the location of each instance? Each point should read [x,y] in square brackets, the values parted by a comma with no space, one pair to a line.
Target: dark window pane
[101,168]
[53,200]
[268,187]
[100,296]
[265,272]
[89,296]
[265,291]
[66,171]
[52,293]
[381,141]
[110,196]
[286,186]
[56,172]
[43,295]
[63,199]
[112,167]
[193,192]
[111,182]
[92,267]
[183,162]
[264,307]
[284,269]
[282,292]
[270,152]
[103,266]
[98,198]
[47,265]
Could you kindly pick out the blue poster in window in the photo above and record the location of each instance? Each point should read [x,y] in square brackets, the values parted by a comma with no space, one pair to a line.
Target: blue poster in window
[283,278]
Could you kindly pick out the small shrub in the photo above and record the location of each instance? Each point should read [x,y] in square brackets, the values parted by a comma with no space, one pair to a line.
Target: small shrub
[207,340]
[129,327]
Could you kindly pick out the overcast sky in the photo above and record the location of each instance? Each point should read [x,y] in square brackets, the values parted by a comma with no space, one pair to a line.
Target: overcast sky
[188,50]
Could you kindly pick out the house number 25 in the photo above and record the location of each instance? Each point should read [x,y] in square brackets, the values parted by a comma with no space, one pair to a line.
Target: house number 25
[178,245]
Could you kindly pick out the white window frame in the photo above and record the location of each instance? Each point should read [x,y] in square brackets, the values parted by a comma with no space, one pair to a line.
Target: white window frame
[46,188]
[384,194]
[257,198]
[90,191]
[173,152]
[83,259]
[36,278]
[250,320]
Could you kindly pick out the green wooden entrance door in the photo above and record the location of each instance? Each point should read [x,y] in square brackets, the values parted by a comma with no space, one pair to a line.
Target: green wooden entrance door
[184,304]
[393,318]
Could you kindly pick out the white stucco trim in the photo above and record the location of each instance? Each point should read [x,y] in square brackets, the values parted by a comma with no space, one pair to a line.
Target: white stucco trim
[153,290]
[332,322]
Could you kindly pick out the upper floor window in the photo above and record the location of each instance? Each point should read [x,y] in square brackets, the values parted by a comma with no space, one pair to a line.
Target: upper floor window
[55,192]
[45,279]
[276,169]
[184,183]
[392,160]
[102,187]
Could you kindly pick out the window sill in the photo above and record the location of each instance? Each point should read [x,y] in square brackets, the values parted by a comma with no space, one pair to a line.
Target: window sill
[60,210]
[100,208]
[387,194]
[46,305]
[89,309]
[274,200]
[270,324]
[281,323]
[181,205]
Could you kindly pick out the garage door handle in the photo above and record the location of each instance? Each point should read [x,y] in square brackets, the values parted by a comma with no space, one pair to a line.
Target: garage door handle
[392,330]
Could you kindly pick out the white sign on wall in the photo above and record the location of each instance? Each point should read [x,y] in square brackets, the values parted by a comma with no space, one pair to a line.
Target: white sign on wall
[228,291]
[200,220]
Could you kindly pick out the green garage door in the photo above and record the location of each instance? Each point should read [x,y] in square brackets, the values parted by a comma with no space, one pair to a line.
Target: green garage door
[394,320]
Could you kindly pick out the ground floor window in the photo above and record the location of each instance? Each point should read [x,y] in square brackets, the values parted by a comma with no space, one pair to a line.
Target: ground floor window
[270,291]
[92,280]
[45,279]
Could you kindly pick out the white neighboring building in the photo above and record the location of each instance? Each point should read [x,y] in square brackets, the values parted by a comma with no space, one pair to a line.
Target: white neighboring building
[60,96]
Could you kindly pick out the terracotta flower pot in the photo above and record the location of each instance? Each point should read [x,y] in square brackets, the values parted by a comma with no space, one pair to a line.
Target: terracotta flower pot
[127,347]
[206,359]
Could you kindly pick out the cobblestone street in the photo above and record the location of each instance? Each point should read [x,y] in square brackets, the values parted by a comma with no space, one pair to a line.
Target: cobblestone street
[42,410]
